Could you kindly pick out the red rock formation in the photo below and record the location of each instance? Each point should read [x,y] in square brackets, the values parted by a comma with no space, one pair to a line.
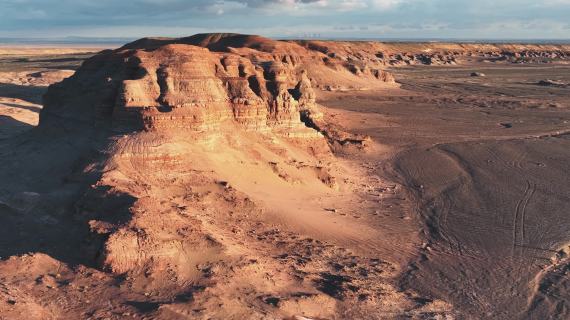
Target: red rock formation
[197,83]
[359,55]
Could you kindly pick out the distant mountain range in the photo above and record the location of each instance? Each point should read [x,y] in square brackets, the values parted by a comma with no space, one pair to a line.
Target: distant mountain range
[67,40]
[72,40]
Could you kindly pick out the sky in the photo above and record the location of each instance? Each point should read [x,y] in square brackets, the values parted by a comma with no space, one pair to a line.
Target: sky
[377,19]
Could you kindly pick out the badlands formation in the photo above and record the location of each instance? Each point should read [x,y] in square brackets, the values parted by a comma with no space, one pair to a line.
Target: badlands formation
[227,176]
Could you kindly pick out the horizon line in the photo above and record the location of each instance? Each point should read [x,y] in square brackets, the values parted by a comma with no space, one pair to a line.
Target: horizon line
[124,40]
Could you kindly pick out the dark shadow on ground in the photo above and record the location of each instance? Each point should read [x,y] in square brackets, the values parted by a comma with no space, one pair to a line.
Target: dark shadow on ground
[68,62]
[71,59]
[52,226]
[143,306]
[47,197]
[10,127]
[31,94]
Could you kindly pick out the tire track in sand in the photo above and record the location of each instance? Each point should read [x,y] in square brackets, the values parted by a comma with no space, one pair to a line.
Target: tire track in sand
[519,217]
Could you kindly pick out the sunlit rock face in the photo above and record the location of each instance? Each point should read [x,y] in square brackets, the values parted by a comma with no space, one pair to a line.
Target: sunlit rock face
[198,83]
[177,87]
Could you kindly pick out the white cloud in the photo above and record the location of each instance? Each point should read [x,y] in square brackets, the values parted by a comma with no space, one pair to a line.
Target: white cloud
[333,5]
[557,2]
[369,18]
[384,4]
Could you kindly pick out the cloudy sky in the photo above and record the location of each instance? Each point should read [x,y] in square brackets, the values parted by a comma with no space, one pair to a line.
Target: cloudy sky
[413,19]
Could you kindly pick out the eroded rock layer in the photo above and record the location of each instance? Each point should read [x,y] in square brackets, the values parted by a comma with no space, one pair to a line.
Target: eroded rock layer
[199,82]
[361,56]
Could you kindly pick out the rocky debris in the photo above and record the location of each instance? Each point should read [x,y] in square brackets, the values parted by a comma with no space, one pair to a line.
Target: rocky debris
[533,56]
[551,83]
[478,74]
[377,54]
[453,57]
[374,55]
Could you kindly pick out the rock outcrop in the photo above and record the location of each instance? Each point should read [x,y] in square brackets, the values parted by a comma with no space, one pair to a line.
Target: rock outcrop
[175,116]
[360,55]
[198,83]
[552,83]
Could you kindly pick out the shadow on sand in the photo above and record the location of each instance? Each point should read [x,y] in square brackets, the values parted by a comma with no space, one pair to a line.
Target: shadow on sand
[10,127]
[47,197]
[31,94]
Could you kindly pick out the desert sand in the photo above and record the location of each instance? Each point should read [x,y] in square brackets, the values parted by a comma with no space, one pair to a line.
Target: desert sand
[225,176]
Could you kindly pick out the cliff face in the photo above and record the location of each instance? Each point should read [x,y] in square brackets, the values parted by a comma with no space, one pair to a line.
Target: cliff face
[175,86]
[188,87]
[198,83]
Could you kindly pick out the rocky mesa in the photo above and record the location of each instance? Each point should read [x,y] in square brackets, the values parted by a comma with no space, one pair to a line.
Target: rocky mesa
[199,176]
[198,82]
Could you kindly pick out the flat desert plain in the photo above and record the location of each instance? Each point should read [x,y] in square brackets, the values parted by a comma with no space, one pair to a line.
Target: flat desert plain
[444,195]
[483,162]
